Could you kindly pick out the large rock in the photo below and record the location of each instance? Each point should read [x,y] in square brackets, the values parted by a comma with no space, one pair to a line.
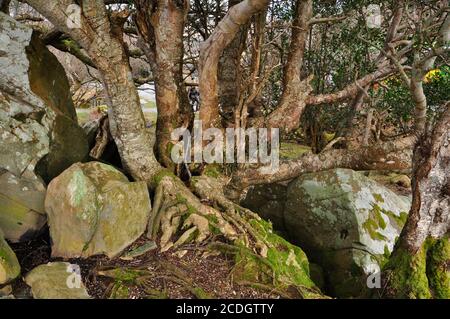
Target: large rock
[9,265]
[58,280]
[38,124]
[345,222]
[93,209]
[22,214]
[269,201]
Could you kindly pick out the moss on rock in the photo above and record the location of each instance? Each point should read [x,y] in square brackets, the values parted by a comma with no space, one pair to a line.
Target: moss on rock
[285,267]
[88,206]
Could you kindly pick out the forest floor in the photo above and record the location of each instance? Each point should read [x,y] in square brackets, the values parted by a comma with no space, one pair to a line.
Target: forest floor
[207,277]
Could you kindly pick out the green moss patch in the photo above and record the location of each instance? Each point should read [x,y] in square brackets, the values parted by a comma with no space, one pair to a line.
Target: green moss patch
[407,275]
[293,150]
[285,267]
[423,275]
[438,273]
[374,223]
[213,171]
[160,175]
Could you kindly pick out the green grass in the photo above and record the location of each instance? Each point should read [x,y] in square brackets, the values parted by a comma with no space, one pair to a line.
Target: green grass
[150,105]
[292,150]
[83,117]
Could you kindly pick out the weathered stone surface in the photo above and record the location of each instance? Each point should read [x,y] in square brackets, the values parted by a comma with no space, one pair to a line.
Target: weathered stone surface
[268,201]
[22,214]
[9,265]
[93,209]
[38,127]
[58,280]
[6,291]
[346,222]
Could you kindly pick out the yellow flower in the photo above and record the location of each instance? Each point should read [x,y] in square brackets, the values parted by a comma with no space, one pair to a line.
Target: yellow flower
[431,75]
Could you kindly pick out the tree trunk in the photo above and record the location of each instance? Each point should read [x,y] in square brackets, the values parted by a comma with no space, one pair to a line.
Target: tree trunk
[229,74]
[419,265]
[295,89]
[161,25]
[103,42]
[210,52]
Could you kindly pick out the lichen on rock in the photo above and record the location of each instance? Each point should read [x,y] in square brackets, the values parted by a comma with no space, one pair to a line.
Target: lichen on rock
[38,125]
[93,209]
[344,221]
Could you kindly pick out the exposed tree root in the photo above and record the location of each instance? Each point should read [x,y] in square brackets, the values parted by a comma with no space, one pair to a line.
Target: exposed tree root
[203,215]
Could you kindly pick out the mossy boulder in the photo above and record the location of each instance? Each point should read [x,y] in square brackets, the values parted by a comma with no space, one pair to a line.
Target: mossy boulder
[9,265]
[38,123]
[347,223]
[58,280]
[22,214]
[93,209]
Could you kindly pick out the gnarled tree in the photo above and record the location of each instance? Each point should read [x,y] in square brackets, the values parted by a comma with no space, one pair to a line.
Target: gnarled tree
[100,34]
[211,51]
[419,265]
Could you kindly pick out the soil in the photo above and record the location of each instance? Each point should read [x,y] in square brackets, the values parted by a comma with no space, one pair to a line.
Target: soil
[213,274]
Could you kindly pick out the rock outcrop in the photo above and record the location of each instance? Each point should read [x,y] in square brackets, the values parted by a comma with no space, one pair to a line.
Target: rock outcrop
[268,201]
[39,132]
[93,209]
[22,214]
[345,222]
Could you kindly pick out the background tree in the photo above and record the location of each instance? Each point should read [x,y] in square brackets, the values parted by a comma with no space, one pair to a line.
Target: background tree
[101,35]
[161,25]
[418,267]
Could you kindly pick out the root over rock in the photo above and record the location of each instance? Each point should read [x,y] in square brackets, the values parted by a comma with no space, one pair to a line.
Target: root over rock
[204,217]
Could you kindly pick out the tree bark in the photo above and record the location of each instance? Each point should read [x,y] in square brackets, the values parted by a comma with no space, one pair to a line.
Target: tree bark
[210,52]
[352,89]
[229,73]
[419,265]
[161,25]
[255,81]
[295,89]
